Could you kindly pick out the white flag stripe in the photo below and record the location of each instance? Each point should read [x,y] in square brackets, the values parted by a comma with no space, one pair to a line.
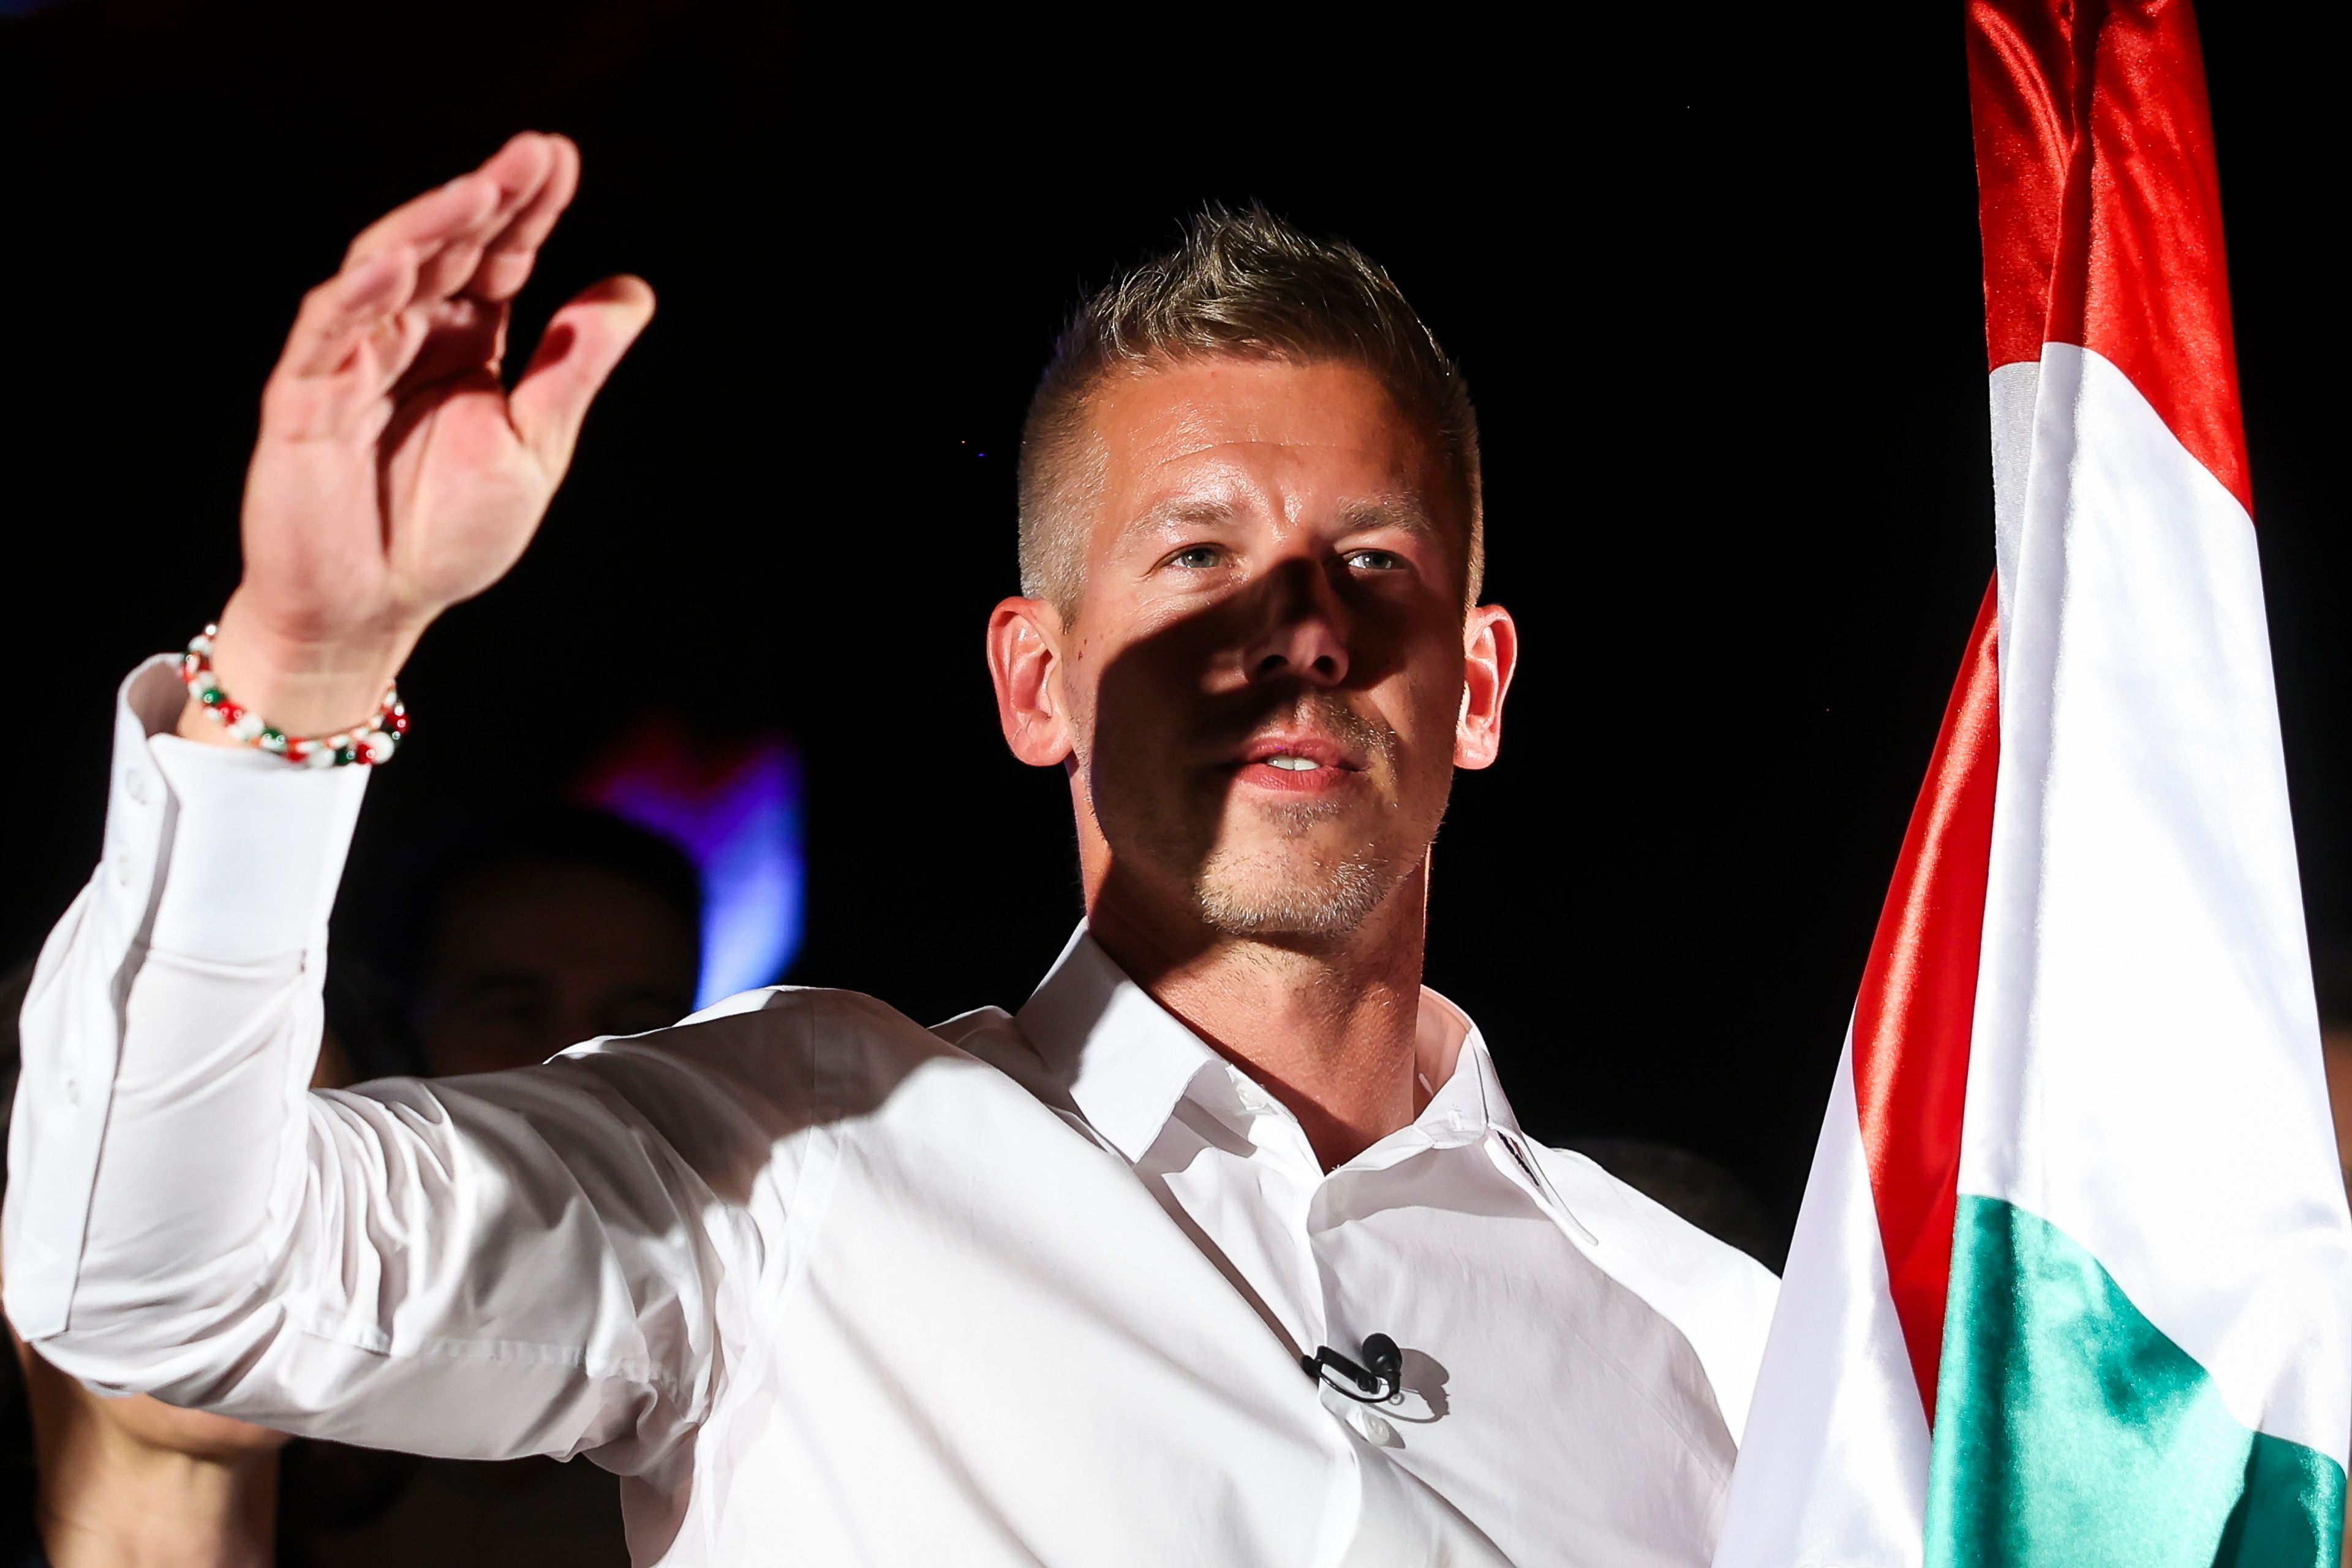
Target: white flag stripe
[1833,1464]
[2145,1072]
[2013,389]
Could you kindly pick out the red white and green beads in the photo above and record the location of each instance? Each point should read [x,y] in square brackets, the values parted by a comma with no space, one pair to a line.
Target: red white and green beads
[372,742]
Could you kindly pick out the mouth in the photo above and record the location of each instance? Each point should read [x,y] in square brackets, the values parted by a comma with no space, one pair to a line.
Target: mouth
[1298,764]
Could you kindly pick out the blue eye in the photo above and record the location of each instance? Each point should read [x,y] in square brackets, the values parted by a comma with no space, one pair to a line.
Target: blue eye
[1375,560]
[1196,557]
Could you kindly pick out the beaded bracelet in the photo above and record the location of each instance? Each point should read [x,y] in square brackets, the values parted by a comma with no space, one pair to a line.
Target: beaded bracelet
[372,742]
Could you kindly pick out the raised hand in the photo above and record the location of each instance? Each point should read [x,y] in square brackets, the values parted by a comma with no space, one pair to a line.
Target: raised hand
[395,474]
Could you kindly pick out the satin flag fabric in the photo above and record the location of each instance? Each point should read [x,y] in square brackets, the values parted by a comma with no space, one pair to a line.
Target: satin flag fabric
[2072,1282]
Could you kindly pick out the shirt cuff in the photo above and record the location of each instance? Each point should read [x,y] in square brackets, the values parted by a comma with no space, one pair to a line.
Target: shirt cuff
[236,852]
[225,856]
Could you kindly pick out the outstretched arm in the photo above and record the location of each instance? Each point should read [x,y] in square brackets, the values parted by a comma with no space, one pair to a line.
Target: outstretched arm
[481,1267]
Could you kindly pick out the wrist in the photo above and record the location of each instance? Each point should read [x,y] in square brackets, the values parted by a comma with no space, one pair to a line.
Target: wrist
[298,685]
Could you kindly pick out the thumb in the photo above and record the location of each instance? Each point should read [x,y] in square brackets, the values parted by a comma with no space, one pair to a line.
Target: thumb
[582,345]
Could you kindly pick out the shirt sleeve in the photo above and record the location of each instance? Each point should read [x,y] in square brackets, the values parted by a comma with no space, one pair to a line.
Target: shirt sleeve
[518,1263]
[1717,1297]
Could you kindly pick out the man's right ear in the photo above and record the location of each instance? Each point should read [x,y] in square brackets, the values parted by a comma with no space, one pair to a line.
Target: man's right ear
[1024,659]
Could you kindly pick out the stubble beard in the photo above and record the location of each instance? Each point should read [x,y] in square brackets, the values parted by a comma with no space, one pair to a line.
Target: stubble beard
[1288,889]
[1278,885]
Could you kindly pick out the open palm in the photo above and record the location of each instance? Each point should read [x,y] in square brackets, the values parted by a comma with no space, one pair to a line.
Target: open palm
[395,473]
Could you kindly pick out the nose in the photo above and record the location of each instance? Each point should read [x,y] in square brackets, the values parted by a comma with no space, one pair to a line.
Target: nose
[1302,637]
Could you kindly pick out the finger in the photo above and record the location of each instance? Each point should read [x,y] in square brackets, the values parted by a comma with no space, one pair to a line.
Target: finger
[584,343]
[506,264]
[430,220]
[340,313]
[519,171]
[506,177]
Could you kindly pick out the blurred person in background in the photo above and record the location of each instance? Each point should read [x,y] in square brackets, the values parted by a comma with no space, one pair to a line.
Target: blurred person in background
[562,925]
[131,1482]
[2332,979]
[2331,973]
[557,926]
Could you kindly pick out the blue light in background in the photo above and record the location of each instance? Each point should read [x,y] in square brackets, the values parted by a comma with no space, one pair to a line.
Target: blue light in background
[735,811]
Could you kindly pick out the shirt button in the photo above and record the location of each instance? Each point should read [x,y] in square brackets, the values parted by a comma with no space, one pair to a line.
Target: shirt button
[1377,1432]
[134,785]
[123,868]
[73,1091]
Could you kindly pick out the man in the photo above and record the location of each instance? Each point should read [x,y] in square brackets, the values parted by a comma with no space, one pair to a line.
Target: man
[127,1481]
[1224,1249]
[549,931]
[2333,973]
[510,944]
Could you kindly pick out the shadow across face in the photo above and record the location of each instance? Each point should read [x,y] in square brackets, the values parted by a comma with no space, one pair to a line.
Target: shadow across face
[1269,665]
[1270,795]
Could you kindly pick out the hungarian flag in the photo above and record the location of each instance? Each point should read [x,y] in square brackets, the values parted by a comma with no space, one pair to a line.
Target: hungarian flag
[2072,1282]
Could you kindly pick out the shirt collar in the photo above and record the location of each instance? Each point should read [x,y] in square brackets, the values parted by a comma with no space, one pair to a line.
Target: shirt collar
[1467,1100]
[1127,1061]
[1125,1058]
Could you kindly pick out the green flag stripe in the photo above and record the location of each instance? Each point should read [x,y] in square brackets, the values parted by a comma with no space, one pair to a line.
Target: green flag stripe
[2071,1432]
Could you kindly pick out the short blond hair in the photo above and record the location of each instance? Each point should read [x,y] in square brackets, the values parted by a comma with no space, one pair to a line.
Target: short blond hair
[1250,285]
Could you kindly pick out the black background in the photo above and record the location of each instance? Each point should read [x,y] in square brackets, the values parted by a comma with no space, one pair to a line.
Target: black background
[1711,270]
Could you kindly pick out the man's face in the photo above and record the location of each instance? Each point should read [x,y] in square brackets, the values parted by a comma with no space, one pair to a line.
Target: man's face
[532,957]
[1262,688]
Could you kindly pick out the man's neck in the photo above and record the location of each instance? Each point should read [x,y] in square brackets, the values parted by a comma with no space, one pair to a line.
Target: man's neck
[1326,1027]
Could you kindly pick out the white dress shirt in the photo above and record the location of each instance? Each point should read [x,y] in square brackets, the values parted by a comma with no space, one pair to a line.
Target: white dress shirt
[824,1285]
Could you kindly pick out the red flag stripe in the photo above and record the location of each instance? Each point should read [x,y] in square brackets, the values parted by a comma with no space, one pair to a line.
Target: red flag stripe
[1918,1004]
[2101,206]
[2101,216]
